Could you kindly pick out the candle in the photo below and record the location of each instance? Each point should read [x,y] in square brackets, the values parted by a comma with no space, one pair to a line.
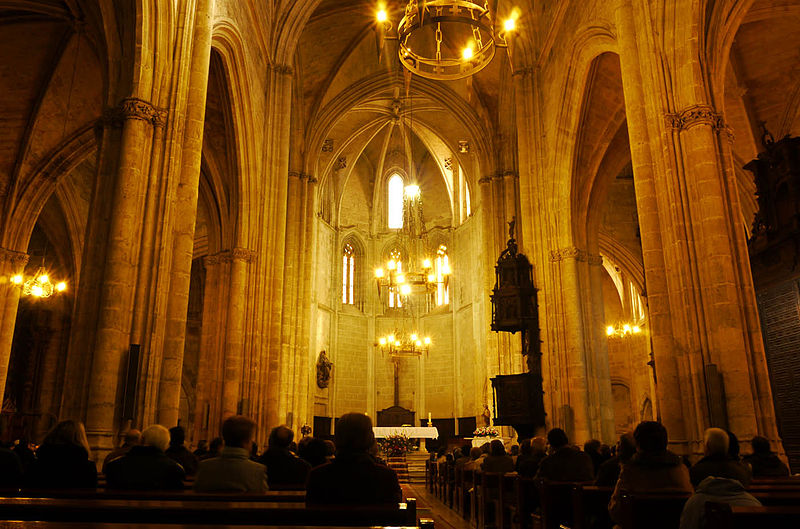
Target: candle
[429,418]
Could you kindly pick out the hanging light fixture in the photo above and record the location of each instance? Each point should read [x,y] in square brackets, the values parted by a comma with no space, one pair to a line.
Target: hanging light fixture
[402,344]
[446,40]
[39,284]
[623,330]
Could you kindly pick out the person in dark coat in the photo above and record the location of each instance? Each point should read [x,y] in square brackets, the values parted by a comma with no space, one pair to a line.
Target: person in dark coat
[214,449]
[24,452]
[146,466]
[11,469]
[353,477]
[592,449]
[716,461]
[312,450]
[285,471]
[497,461]
[653,469]
[531,453]
[564,463]
[132,438]
[179,453]
[202,449]
[764,462]
[62,460]
[609,471]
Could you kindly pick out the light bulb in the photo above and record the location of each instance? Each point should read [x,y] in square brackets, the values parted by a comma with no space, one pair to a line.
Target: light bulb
[405,289]
[61,287]
[636,329]
[467,53]
[382,16]
[412,191]
[391,265]
[427,340]
[379,273]
[397,343]
[609,330]
[401,279]
[426,263]
[17,279]
[626,328]
[414,337]
[43,279]
[446,270]
[382,342]
[391,337]
[37,291]
[510,24]
[431,278]
[418,343]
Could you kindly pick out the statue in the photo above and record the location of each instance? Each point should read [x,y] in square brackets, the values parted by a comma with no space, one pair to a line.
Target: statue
[324,366]
[487,416]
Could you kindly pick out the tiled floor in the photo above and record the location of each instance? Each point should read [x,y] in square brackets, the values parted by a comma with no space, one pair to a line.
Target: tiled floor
[428,506]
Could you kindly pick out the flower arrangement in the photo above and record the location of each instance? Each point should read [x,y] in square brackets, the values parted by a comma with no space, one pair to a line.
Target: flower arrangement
[486,431]
[305,430]
[395,445]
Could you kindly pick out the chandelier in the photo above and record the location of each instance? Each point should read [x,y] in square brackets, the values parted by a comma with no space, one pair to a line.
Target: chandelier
[402,344]
[446,40]
[38,285]
[623,330]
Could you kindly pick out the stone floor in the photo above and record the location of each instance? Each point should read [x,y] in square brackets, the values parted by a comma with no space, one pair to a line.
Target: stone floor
[428,506]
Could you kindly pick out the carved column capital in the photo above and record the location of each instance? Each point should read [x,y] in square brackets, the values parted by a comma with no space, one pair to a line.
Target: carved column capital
[697,115]
[485,180]
[570,252]
[11,259]
[242,254]
[135,108]
[282,69]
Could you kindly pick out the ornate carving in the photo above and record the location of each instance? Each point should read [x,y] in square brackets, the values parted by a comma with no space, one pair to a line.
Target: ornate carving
[463,147]
[697,115]
[324,367]
[243,254]
[135,108]
[573,252]
[448,163]
[594,260]
[228,256]
[485,180]
[17,260]
[341,163]
[327,145]
[282,69]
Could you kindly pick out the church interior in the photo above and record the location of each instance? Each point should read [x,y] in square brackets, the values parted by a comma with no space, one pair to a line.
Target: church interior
[293,210]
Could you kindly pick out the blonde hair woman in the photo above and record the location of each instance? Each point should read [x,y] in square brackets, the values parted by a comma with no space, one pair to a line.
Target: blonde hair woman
[63,460]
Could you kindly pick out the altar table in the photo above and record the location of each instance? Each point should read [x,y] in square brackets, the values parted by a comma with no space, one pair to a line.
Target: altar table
[412,432]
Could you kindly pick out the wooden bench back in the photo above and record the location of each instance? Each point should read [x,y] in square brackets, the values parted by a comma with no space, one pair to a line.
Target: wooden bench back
[652,511]
[724,516]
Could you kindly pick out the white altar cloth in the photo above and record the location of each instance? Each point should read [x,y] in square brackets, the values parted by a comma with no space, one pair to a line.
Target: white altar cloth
[412,432]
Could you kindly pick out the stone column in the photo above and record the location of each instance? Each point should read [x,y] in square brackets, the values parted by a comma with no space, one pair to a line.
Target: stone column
[185,215]
[119,277]
[233,351]
[11,264]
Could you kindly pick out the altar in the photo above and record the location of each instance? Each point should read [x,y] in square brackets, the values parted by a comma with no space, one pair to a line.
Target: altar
[412,432]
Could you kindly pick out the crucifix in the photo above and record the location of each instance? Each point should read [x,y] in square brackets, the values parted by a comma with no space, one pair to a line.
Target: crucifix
[396,363]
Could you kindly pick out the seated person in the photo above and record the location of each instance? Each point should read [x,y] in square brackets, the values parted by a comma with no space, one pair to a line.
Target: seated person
[764,462]
[179,453]
[10,469]
[285,471]
[62,460]
[312,451]
[475,459]
[146,466]
[653,469]
[233,471]
[564,463]
[531,453]
[720,490]
[716,461]
[592,449]
[353,477]
[132,438]
[609,471]
[497,460]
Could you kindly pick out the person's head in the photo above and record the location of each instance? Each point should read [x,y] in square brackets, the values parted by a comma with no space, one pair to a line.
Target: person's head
[733,445]
[216,445]
[330,448]
[202,445]
[156,436]
[557,438]
[605,450]
[475,452]
[525,447]
[715,442]
[280,437]
[441,452]
[514,451]
[496,448]
[132,438]
[457,453]
[650,436]
[761,445]
[539,445]
[626,447]
[313,450]
[353,434]
[592,446]
[68,432]
[486,448]
[176,436]
[237,432]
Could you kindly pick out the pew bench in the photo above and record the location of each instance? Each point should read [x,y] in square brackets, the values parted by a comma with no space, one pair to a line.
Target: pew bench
[21,524]
[285,496]
[203,512]
[653,511]
[724,516]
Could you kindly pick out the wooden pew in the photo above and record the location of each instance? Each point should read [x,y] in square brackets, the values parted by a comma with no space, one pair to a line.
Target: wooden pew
[652,511]
[203,512]
[490,501]
[526,502]
[555,504]
[285,496]
[590,507]
[724,516]
[17,524]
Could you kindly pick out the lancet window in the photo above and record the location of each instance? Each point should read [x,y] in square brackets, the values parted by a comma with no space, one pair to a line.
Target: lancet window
[395,202]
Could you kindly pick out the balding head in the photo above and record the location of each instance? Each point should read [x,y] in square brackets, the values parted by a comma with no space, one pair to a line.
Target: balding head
[156,436]
[132,438]
[280,437]
[716,442]
[353,434]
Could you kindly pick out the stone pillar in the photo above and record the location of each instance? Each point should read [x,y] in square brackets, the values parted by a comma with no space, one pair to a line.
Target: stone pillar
[233,351]
[185,215]
[11,264]
[119,277]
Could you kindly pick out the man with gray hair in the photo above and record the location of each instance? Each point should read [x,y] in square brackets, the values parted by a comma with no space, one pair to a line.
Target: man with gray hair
[716,461]
[146,466]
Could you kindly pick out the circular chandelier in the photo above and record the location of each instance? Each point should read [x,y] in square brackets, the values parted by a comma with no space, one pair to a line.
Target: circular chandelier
[622,330]
[401,344]
[38,285]
[447,40]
